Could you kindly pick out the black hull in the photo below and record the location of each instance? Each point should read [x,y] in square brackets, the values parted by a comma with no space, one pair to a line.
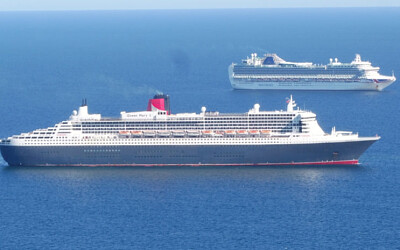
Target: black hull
[272,154]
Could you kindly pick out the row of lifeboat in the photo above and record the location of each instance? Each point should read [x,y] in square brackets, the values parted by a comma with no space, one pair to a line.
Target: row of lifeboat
[192,133]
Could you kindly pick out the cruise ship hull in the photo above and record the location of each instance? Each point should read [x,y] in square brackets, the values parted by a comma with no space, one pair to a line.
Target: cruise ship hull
[190,155]
[286,85]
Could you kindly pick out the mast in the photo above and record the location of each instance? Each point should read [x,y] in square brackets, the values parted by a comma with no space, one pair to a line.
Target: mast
[291,104]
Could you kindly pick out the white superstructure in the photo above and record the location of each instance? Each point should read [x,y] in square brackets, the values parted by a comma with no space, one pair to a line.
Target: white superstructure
[157,127]
[272,72]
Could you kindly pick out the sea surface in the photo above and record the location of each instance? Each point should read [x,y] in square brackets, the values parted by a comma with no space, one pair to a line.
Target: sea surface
[49,61]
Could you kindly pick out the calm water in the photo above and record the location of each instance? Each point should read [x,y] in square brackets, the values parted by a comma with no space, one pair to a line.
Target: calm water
[119,59]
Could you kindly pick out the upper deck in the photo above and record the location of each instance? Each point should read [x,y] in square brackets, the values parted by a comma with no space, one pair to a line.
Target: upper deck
[271,64]
[159,123]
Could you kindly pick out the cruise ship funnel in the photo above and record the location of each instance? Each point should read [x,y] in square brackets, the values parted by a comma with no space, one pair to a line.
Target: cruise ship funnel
[159,102]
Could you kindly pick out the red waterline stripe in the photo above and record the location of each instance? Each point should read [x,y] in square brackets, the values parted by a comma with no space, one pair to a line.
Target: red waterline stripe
[348,162]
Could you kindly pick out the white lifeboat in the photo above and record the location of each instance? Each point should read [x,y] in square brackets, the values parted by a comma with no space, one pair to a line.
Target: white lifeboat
[193,133]
[164,133]
[178,133]
[149,133]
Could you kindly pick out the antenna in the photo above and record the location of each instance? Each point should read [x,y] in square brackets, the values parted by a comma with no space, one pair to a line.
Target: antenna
[84,102]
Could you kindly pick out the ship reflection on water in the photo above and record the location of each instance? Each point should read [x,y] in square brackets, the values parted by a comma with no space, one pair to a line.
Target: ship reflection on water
[159,176]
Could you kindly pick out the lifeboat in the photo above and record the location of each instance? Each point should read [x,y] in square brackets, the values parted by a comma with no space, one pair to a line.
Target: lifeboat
[149,133]
[193,133]
[163,133]
[136,133]
[242,132]
[178,133]
[266,132]
[230,132]
[124,134]
[218,133]
[254,132]
[207,133]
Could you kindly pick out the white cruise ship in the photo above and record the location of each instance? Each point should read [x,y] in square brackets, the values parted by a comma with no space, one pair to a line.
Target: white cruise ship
[156,137]
[272,72]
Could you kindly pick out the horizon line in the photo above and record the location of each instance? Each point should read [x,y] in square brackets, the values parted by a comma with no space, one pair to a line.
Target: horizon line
[216,8]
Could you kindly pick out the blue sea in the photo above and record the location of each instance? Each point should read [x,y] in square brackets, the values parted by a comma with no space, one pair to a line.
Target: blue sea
[49,61]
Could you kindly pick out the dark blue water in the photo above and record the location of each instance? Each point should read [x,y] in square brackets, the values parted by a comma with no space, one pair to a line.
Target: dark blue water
[49,61]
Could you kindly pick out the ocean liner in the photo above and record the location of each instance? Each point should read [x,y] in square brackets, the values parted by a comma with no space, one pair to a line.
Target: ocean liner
[156,137]
[272,72]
